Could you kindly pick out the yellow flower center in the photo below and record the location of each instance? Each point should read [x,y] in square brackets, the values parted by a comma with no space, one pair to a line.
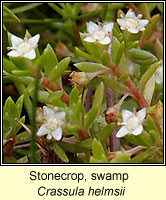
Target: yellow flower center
[23,48]
[132,23]
[99,35]
[133,123]
[52,123]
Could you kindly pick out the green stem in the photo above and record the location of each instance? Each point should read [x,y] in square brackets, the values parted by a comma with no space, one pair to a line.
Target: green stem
[32,21]
[56,9]
[33,119]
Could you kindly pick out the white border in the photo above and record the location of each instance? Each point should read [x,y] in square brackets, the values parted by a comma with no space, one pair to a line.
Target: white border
[82,164]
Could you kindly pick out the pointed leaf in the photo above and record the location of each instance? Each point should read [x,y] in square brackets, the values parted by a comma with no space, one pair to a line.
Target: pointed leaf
[141,57]
[106,132]
[122,158]
[59,69]
[49,59]
[114,85]
[90,116]
[89,67]
[59,152]
[98,97]
[19,105]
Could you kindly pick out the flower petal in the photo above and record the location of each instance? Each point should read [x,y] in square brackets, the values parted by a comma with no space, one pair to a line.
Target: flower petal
[158,80]
[57,134]
[92,27]
[61,115]
[122,132]
[13,53]
[34,40]
[122,22]
[130,14]
[48,112]
[42,130]
[106,40]
[16,40]
[108,27]
[126,115]
[89,39]
[30,54]
[141,114]
[143,22]
[138,130]
[133,30]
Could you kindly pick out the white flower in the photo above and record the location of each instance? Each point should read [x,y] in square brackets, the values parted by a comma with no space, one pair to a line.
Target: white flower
[159,74]
[132,123]
[23,47]
[53,122]
[132,23]
[99,33]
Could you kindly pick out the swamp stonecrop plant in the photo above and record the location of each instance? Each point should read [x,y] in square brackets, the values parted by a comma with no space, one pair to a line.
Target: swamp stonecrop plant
[111,113]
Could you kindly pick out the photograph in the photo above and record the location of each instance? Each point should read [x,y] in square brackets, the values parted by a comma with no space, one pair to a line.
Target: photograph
[82,83]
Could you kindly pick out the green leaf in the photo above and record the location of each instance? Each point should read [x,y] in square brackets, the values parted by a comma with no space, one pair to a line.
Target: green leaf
[141,57]
[117,32]
[68,10]
[85,55]
[106,132]
[25,80]
[10,110]
[102,160]
[150,28]
[114,85]
[148,74]
[10,160]
[158,49]
[98,153]
[117,50]
[59,152]
[149,89]
[21,72]
[122,158]
[105,58]
[54,95]
[95,129]
[27,100]
[92,47]
[10,13]
[19,105]
[49,59]
[7,128]
[59,69]
[152,6]
[131,44]
[26,7]
[73,147]
[56,8]
[8,65]
[76,8]
[143,139]
[144,155]
[98,97]
[143,7]
[152,129]
[90,116]
[78,111]
[87,143]
[90,67]
[74,96]
[23,137]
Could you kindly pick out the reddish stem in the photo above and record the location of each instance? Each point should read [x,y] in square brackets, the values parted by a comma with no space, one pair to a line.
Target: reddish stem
[54,87]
